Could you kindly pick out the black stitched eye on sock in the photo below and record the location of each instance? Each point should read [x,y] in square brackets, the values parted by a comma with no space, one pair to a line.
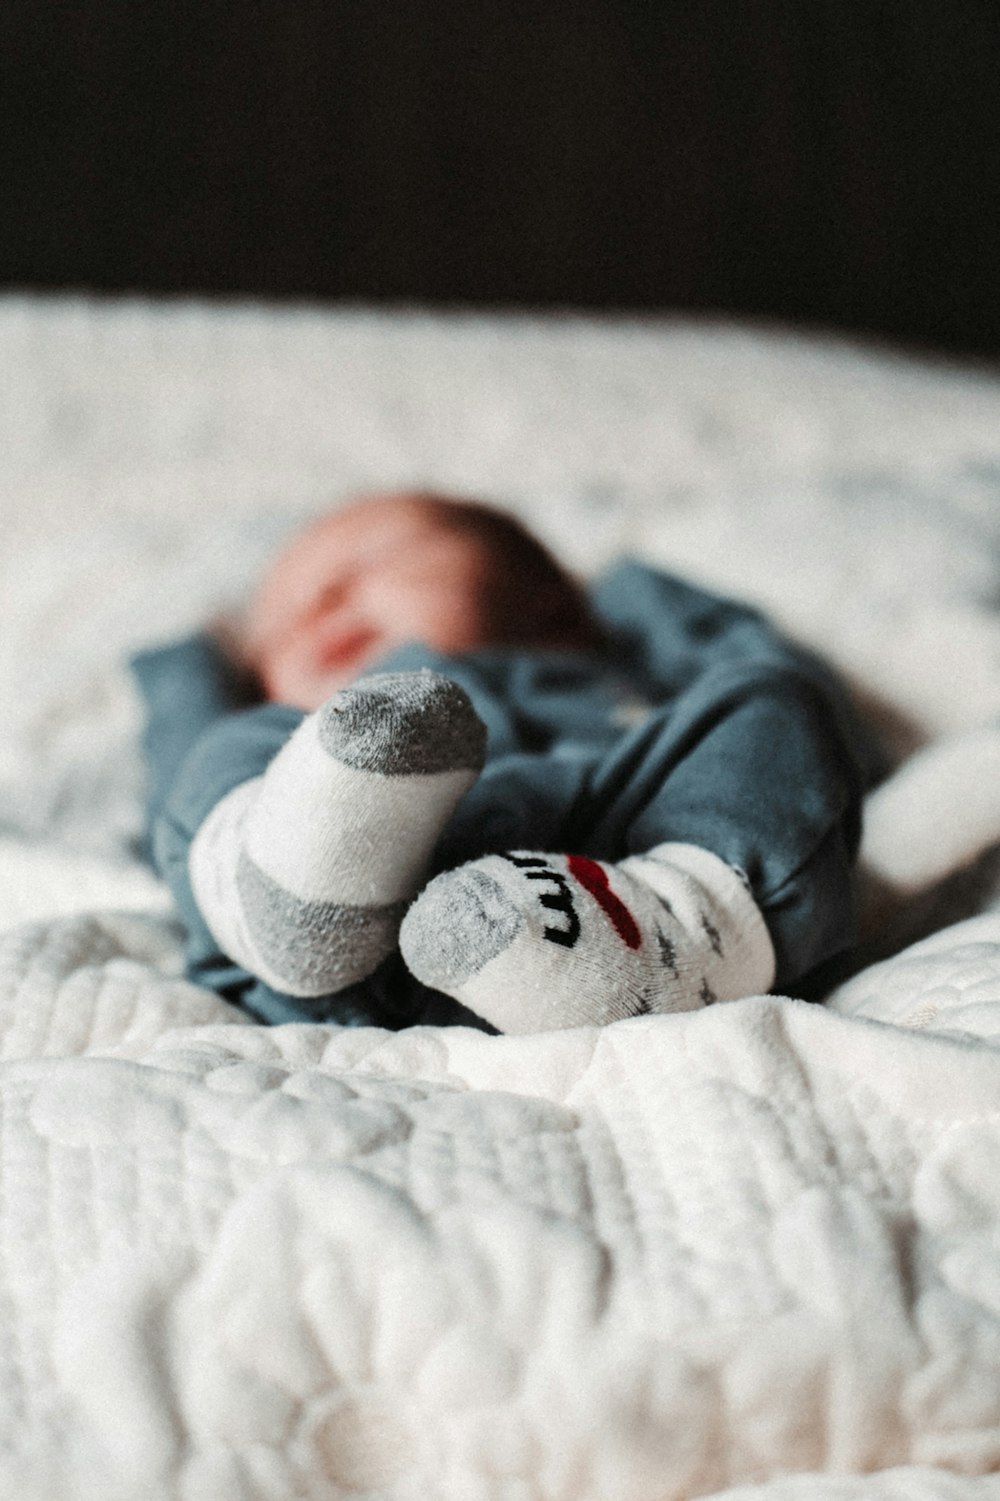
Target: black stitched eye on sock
[561,901]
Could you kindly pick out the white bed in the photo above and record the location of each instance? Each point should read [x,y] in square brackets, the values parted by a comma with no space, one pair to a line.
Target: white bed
[751,1253]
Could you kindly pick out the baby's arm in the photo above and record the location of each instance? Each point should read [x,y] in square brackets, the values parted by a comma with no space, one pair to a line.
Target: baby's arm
[186,687]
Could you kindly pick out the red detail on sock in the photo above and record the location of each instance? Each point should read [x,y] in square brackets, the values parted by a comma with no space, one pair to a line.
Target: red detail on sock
[594,878]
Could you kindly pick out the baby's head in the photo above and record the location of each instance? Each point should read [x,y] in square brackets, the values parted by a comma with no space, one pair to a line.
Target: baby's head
[406,566]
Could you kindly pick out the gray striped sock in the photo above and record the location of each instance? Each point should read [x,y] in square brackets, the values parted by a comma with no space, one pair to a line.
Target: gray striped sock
[303,875]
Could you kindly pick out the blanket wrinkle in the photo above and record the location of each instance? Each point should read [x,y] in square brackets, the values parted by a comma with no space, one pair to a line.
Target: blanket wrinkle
[774,1195]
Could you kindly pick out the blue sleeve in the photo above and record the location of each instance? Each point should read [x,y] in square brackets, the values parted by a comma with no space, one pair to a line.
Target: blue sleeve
[671,632]
[186,687]
[202,740]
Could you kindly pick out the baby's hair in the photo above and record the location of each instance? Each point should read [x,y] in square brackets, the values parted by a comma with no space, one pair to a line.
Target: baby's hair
[532,599]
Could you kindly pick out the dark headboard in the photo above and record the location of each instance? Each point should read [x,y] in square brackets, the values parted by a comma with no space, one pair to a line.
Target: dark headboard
[830,160]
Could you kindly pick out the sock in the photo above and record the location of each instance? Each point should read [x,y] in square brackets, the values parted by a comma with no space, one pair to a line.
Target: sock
[303,874]
[532,942]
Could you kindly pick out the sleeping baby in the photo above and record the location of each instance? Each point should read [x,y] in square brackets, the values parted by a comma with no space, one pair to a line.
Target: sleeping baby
[426,776]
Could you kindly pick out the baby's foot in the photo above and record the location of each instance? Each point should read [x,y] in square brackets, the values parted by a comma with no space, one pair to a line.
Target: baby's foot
[532,942]
[303,874]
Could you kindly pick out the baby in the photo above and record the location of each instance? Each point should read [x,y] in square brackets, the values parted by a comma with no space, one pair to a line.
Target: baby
[426,764]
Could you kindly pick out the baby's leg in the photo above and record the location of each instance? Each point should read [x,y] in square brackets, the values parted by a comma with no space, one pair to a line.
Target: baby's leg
[730,820]
[302,874]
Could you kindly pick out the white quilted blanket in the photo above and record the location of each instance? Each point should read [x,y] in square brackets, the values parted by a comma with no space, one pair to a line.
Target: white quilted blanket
[750,1253]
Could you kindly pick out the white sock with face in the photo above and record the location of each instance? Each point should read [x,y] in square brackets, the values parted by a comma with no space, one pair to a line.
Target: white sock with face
[303,874]
[532,942]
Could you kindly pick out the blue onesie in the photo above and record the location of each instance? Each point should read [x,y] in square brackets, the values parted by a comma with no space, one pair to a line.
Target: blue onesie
[698,723]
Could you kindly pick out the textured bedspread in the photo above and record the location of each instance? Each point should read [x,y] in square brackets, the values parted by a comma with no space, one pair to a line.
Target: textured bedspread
[750,1252]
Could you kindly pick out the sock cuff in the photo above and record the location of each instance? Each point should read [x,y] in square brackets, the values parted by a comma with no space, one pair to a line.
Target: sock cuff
[749,951]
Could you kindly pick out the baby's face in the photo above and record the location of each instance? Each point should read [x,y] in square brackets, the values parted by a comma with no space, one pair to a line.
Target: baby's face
[387,570]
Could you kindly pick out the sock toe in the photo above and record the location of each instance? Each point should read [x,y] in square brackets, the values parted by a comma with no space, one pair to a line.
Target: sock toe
[460,921]
[403,724]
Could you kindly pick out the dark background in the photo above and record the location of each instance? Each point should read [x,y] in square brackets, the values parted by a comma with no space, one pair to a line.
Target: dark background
[833,161]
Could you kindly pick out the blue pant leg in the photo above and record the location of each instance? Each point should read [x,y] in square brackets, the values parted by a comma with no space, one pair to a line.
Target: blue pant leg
[750,763]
